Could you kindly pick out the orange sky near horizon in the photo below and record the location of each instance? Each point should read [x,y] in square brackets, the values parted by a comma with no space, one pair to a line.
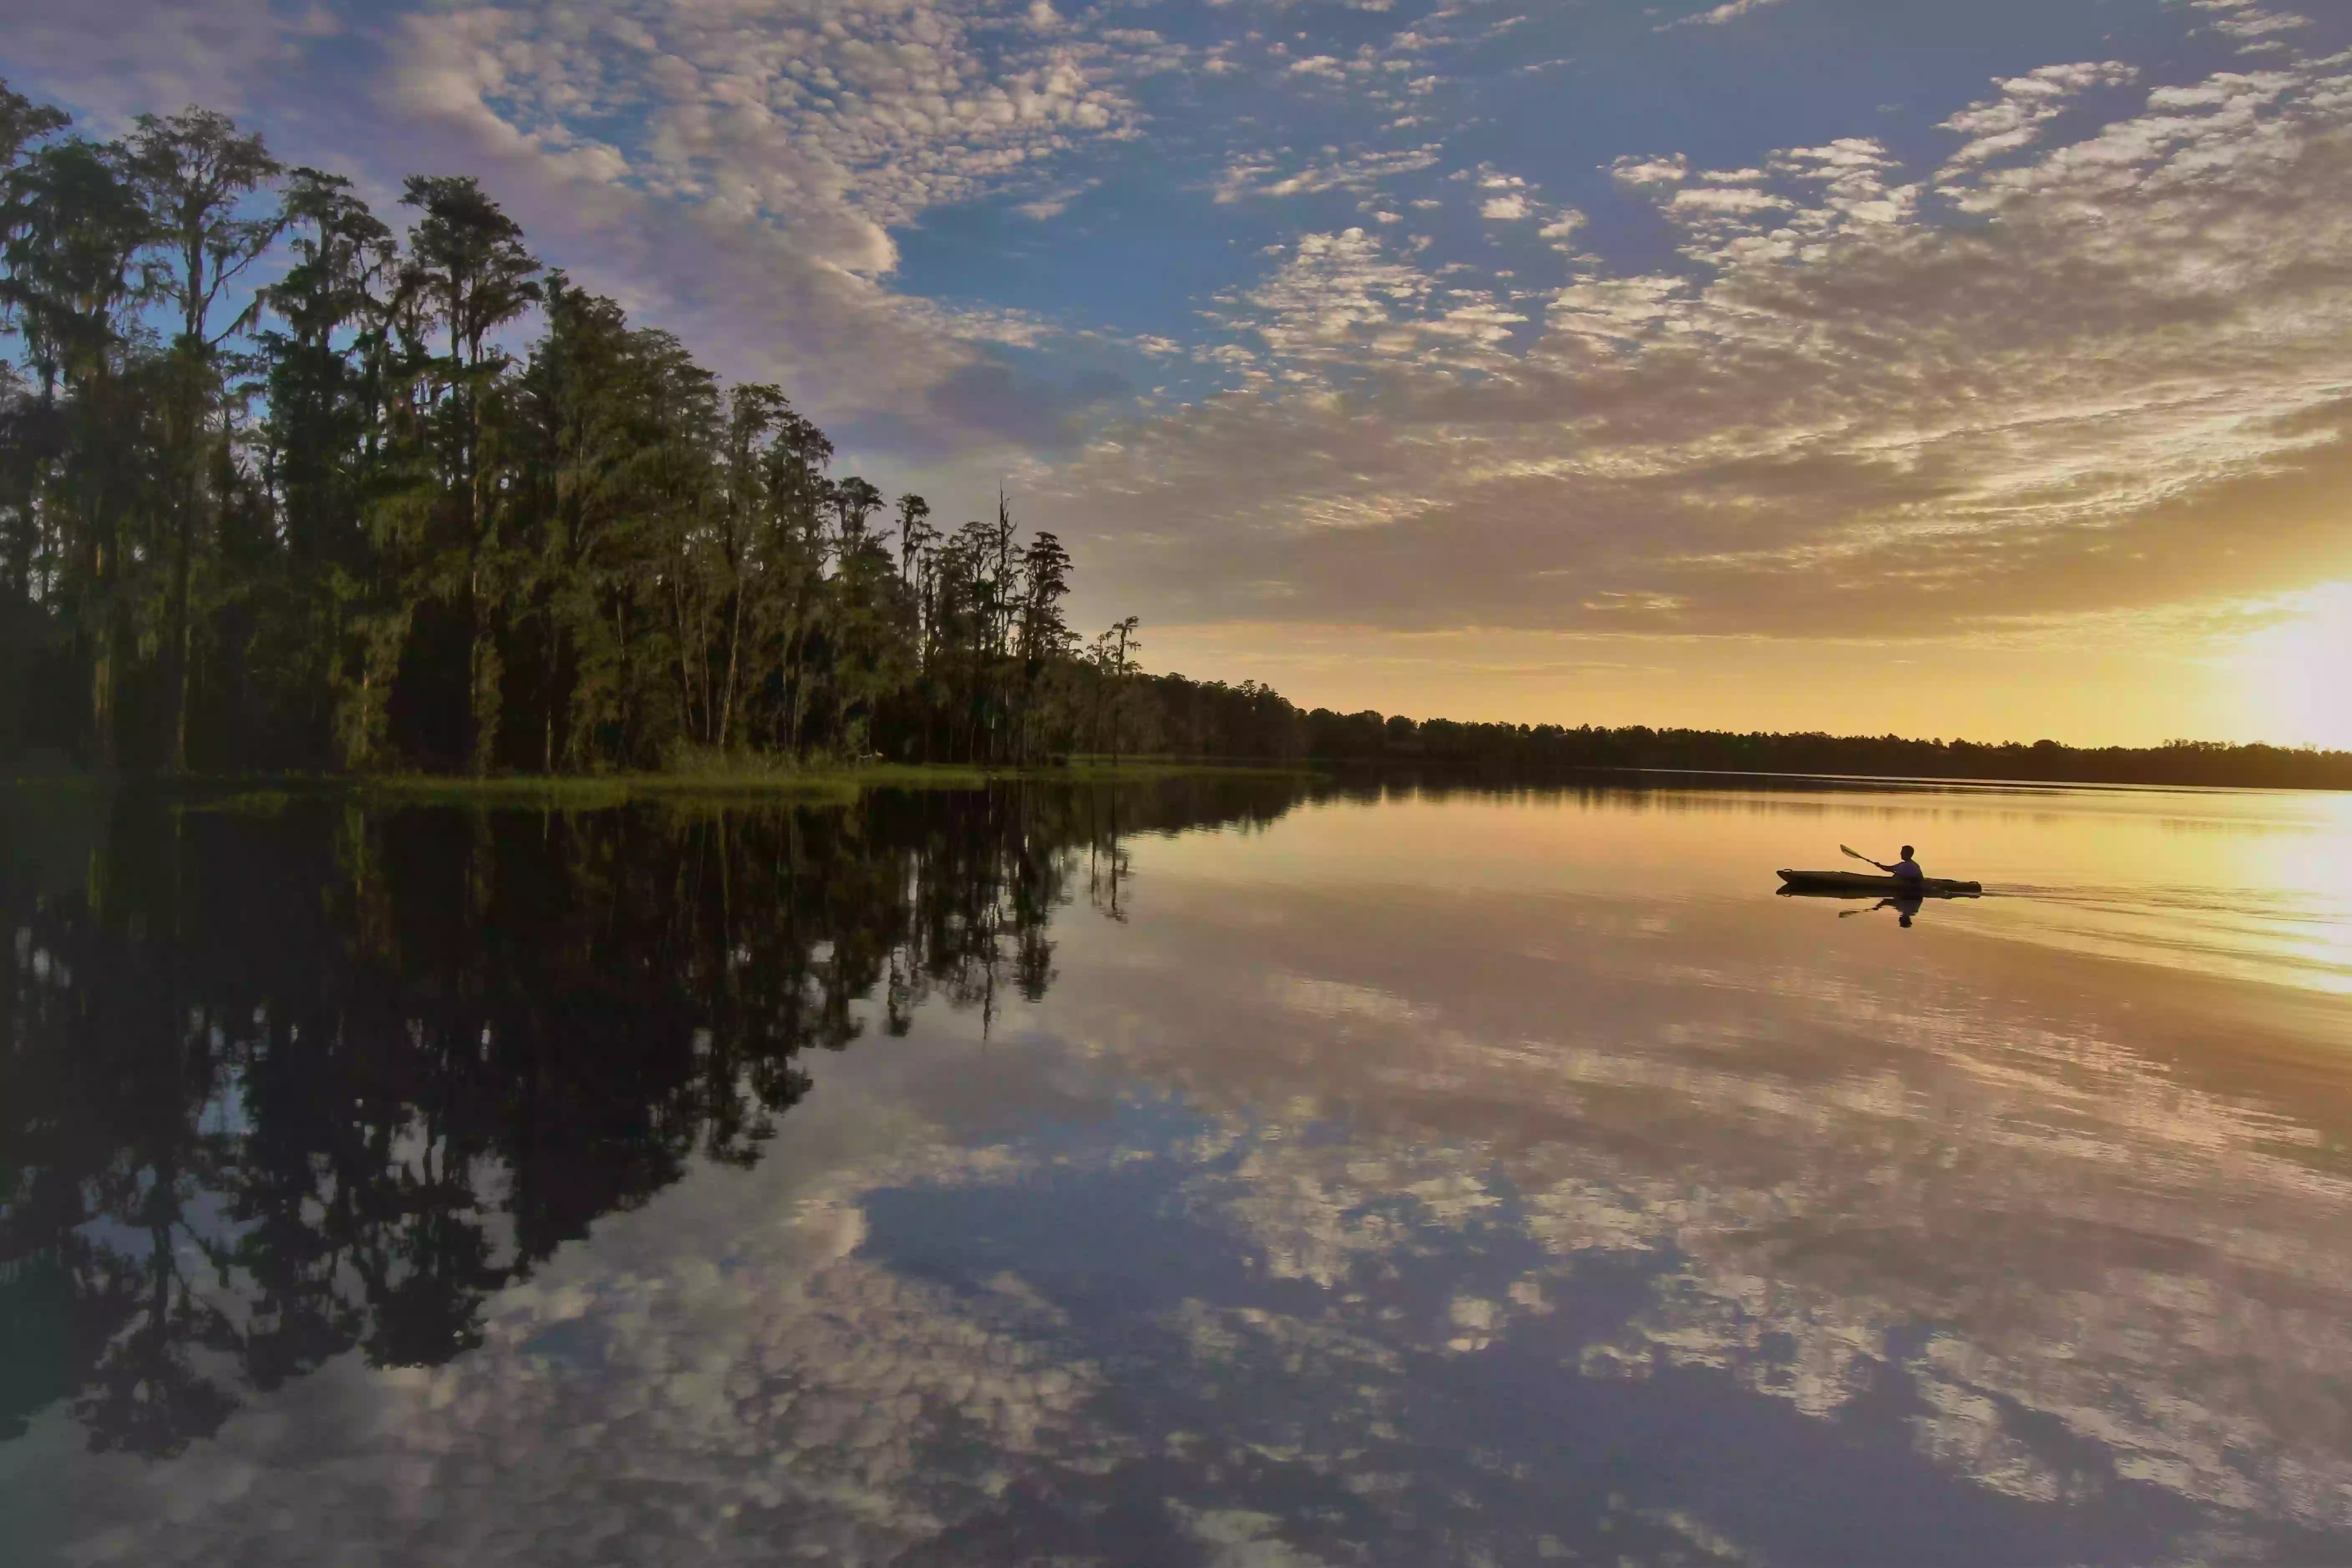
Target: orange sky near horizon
[2287,683]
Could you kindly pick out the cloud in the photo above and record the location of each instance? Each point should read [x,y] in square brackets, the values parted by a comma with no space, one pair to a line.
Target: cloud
[2026,105]
[120,57]
[1640,173]
[1352,299]
[1563,226]
[1332,292]
[1055,203]
[1730,11]
[1257,175]
[1614,308]
[2073,400]
[2256,30]
[1727,199]
[1509,198]
[836,122]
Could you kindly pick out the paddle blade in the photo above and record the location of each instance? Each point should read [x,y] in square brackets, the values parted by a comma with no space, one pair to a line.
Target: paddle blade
[1856,852]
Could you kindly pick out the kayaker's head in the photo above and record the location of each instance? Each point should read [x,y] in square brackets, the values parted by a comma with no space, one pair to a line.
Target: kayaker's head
[1906,852]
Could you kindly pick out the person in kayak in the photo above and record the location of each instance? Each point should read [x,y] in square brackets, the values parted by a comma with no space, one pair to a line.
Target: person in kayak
[1906,868]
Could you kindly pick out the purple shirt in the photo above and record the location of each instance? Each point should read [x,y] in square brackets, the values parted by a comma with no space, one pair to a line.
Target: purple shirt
[1908,869]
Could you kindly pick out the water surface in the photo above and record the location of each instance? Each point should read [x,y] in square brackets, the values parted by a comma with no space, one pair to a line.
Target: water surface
[1216,1173]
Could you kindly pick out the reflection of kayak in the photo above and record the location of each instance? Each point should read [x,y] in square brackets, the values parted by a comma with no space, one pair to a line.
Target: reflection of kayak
[1881,887]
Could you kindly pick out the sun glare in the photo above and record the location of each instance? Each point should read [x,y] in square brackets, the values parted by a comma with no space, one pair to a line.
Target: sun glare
[2296,676]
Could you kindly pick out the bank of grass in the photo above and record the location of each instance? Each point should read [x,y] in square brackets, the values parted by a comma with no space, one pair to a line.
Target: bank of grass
[703,777]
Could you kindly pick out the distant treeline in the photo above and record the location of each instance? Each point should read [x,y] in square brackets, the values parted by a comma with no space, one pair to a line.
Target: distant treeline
[1173,716]
[1523,749]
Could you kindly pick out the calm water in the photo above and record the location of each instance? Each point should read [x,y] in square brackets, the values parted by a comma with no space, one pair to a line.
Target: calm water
[1206,1174]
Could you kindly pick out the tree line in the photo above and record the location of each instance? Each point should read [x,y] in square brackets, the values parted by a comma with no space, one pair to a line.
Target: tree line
[1520,750]
[277,494]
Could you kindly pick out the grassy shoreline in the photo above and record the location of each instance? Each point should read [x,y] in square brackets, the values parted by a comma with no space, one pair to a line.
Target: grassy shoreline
[837,782]
[842,781]
[751,779]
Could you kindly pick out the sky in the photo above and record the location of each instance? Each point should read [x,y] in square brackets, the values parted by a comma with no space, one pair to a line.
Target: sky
[1867,365]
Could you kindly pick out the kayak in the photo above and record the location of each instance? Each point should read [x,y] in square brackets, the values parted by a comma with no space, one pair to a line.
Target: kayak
[1864,882]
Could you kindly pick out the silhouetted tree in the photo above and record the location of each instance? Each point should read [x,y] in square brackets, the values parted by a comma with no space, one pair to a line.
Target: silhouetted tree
[193,174]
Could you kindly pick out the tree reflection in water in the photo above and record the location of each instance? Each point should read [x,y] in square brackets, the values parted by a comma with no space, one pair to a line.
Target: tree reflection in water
[281,1085]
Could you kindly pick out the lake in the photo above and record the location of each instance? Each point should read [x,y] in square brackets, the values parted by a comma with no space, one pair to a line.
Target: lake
[1226,1172]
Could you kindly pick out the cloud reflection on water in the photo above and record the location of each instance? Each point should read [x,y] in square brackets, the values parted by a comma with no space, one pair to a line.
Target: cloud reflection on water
[2068,1227]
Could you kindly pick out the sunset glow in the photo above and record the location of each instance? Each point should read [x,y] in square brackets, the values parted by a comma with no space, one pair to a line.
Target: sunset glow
[2298,675]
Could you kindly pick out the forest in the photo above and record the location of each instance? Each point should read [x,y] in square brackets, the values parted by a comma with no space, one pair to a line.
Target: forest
[275,495]
[279,495]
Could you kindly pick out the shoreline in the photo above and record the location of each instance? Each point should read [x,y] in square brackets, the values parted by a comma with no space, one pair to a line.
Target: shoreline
[839,782]
[846,781]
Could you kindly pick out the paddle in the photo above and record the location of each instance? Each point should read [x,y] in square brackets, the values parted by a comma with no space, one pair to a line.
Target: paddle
[1866,860]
